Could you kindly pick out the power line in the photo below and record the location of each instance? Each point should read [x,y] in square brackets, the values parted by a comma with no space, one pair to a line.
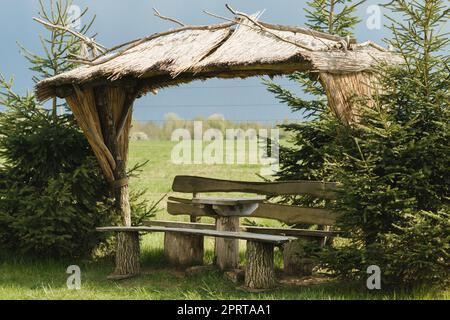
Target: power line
[208,105]
[233,87]
[207,120]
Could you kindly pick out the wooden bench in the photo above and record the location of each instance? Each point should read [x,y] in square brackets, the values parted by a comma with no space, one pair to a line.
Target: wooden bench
[259,273]
[227,251]
[184,241]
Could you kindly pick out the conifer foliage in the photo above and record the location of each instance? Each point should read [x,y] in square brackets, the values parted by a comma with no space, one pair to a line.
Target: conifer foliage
[304,159]
[394,163]
[52,192]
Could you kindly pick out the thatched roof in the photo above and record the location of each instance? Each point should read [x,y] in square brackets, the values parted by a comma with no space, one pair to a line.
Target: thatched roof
[234,49]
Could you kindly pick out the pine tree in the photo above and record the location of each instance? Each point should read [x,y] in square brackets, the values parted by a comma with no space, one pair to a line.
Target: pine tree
[395,167]
[304,160]
[52,191]
[60,46]
[325,16]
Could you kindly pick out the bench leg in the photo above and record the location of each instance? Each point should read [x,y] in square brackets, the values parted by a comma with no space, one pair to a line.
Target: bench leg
[127,254]
[227,250]
[296,260]
[183,249]
[259,272]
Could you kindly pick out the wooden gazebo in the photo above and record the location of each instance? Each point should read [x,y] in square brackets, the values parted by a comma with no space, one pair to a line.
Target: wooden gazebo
[101,92]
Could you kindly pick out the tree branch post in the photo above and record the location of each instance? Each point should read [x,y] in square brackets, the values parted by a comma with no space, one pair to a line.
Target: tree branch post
[127,255]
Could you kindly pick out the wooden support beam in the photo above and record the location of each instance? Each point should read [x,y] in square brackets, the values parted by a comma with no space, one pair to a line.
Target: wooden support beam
[127,259]
[127,110]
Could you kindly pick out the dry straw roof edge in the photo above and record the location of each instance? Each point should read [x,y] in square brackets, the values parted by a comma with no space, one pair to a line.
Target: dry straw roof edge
[234,49]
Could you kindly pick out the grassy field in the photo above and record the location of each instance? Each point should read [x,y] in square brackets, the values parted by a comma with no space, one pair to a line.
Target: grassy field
[24,278]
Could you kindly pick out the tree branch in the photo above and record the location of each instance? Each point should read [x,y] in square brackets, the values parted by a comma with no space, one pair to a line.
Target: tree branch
[90,42]
[158,14]
[260,26]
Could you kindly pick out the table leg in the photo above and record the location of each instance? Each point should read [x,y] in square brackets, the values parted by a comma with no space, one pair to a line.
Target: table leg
[227,250]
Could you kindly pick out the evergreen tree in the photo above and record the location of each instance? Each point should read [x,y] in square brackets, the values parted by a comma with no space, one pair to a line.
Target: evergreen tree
[394,164]
[332,16]
[304,158]
[395,167]
[52,191]
[60,46]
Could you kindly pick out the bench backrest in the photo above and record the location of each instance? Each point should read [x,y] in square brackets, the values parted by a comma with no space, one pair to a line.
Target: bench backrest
[192,184]
[285,213]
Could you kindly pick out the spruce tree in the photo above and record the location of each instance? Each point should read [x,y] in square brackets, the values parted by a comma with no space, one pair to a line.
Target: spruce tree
[52,191]
[304,158]
[395,167]
[394,164]
[59,46]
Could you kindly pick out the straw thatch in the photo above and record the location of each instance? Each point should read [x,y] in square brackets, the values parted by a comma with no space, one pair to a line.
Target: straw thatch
[224,50]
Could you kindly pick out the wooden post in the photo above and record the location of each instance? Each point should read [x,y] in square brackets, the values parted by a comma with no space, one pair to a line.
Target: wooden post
[127,255]
[183,249]
[227,250]
[259,272]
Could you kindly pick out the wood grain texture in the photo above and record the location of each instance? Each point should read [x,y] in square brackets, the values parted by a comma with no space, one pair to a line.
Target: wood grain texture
[227,250]
[183,249]
[227,201]
[192,184]
[109,105]
[278,240]
[127,254]
[290,232]
[259,271]
[283,213]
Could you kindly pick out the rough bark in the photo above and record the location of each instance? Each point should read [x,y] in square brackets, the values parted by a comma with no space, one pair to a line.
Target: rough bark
[259,272]
[127,255]
[183,249]
[227,250]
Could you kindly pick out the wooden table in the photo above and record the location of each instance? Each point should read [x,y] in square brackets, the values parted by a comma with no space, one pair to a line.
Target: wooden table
[228,210]
[227,207]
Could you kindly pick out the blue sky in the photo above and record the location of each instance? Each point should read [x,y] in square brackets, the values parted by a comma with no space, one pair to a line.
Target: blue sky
[119,21]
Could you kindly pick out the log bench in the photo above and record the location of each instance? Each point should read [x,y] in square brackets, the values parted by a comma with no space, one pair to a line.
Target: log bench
[227,212]
[184,241]
[259,271]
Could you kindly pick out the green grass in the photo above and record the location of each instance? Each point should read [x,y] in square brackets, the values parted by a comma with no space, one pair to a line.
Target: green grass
[26,278]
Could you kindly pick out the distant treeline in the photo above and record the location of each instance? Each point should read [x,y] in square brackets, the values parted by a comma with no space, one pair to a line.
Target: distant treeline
[162,130]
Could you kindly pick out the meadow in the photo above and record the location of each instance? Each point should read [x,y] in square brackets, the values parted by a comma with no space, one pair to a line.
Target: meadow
[30,278]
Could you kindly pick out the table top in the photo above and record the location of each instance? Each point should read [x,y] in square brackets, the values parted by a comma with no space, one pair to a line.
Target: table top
[225,201]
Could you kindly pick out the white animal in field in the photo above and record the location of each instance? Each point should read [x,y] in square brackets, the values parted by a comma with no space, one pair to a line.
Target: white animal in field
[139,136]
